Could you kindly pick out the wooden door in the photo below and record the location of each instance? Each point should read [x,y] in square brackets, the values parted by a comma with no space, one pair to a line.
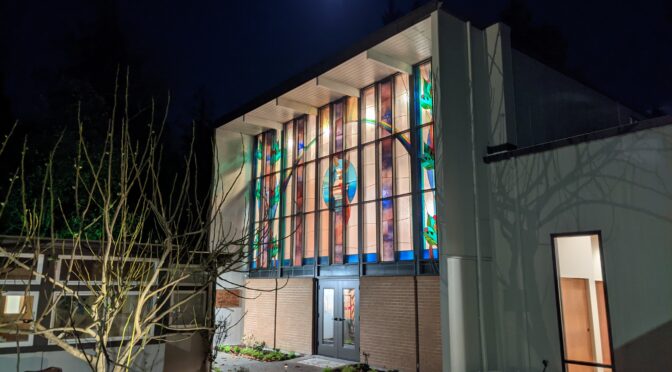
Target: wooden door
[578,333]
[604,324]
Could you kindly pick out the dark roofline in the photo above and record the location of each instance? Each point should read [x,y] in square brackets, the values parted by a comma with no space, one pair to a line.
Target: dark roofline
[314,71]
[660,121]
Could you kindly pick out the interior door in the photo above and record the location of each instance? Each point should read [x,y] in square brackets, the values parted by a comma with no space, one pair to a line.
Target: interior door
[576,319]
[338,319]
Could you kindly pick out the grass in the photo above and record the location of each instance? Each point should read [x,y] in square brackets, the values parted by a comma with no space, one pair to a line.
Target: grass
[360,367]
[257,353]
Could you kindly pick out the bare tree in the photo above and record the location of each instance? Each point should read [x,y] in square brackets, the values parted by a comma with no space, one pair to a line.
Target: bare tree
[149,277]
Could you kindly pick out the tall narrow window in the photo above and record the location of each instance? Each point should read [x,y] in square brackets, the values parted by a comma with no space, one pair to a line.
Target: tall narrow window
[265,245]
[424,118]
[582,303]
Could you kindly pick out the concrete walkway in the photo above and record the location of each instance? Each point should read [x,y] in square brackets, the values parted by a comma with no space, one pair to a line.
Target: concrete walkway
[232,363]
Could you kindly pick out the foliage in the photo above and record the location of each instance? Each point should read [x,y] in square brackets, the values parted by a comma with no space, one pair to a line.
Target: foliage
[359,367]
[145,236]
[257,352]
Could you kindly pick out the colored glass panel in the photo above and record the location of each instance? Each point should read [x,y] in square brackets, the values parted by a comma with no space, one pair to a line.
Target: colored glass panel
[424,94]
[402,169]
[352,231]
[259,156]
[310,140]
[403,228]
[337,205]
[325,131]
[401,121]
[289,145]
[311,186]
[325,182]
[429,226]
[369,233]
[286,237]
[426,157]
[325,226]
[386,161]
[309,222]
[387,229]
[369,172]
[288,194]
[350,176]
[351,122]
[339,109]
[300,137]
[385,109]
[349,308]
[368,115]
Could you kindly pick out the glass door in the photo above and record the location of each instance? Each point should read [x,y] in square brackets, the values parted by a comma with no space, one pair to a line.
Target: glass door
[338,319]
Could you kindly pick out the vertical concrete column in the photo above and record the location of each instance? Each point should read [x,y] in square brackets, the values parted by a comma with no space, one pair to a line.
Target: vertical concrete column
[456,196]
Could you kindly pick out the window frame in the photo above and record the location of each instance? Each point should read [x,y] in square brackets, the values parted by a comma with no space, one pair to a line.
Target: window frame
[36,280]
[558,299]
[74,340]
[288,218]
[177,327]
[63,257]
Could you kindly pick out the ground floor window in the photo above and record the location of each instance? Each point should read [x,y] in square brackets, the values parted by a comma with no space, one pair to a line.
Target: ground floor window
[582,303]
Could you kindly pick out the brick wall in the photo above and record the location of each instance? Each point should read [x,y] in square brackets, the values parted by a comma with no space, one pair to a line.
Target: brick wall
[293,324]
[387,321]
[295,316]
[429,320]
[259,319]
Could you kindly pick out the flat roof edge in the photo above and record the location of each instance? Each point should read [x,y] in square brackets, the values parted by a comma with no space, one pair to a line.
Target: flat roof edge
[660,121]
[373,39]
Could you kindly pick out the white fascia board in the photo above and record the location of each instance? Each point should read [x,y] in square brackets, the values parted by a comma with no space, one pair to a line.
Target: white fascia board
[261,122]
[336,86]
[389,61]
[296,106]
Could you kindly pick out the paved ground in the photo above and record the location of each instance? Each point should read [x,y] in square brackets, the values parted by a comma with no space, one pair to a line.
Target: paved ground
[231,363]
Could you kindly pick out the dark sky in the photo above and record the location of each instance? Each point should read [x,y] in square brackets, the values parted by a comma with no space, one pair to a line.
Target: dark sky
[234,50]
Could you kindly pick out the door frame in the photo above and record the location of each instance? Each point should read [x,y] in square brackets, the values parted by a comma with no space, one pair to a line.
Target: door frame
[337,350]
[556,283]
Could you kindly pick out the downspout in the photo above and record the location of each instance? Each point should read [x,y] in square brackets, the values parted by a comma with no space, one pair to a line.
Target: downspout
[474,163]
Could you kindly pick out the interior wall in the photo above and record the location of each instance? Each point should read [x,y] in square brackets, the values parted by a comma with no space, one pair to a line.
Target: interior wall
[619,186]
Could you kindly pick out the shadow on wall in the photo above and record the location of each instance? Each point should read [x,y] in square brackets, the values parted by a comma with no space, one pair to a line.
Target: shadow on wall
[653,347]
[621,186]
[185,354]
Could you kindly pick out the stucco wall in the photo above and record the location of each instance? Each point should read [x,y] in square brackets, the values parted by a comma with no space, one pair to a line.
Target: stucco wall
[233,171]
[621,186]
[550,105]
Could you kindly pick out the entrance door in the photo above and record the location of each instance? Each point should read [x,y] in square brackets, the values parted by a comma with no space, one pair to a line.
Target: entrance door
[338,319]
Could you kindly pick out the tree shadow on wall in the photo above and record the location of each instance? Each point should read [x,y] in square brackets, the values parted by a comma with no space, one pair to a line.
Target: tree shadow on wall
[614,185]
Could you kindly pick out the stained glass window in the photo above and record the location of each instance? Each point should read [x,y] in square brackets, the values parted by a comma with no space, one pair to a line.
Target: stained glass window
[346,185]
[426,157]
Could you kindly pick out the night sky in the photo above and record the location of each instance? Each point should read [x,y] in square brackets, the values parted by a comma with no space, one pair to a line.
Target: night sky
[232,51]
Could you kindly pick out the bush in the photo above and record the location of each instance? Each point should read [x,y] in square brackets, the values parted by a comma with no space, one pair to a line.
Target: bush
[257,351]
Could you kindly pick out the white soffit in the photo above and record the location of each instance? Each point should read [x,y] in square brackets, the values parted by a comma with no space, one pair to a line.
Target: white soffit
[397,53]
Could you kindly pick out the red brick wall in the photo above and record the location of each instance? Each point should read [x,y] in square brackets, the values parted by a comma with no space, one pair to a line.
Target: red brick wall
[292,325]
[387,321]
[429,320]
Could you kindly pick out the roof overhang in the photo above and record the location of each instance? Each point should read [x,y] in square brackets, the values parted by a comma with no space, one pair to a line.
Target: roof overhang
[395,48]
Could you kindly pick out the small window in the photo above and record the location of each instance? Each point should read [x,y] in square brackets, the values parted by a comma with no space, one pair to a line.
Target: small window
[71,313]
[12,273]
[582,301]
[17,311]
[189,312]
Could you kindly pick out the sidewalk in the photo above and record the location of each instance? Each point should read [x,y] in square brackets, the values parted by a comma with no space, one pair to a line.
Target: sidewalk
[232,363]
